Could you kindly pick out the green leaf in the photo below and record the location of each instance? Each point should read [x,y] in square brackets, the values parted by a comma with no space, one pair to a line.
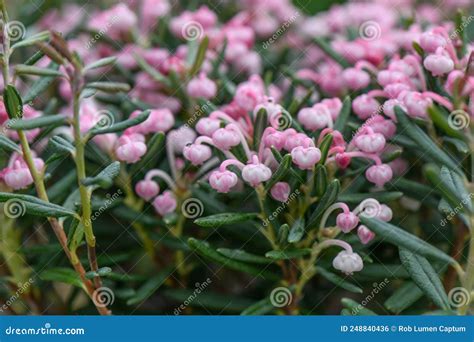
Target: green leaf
[100,63]
[283,233]
[404,297]
[217,220]
[344,114]
[38,37]
[338,281]
[401,238]
[40,122]
[109,87]
[8,145]
[326,47]
[40,85]
[297,231]
[288,254]
[32,205]
[13,102]
[155,74]
[329,197]
[280,173]
[320,180]
[261,120]
[62,145]
[76,235]
[425,277]
[22,69]
[105,179]
[450,185]
[121,126]
[200,56]
[63,275]
[424,143]
[324,147]
[354,198]
[150,287]
[441,121]
[241,255]
[204,249]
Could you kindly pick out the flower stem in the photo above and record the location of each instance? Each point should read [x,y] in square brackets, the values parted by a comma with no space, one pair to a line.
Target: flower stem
[85,193]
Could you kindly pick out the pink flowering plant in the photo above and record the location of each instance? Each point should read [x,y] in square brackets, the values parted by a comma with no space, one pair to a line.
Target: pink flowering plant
[249,158]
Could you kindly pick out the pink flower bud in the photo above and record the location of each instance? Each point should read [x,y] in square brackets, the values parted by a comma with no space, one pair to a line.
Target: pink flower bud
[280,191]
[179,138]
[297,140]
[160,120]
[305,158]
[254,174]
[430,42]
[223,181]
[379,174]
[389,108]
[19,176]
[370,143]
[334,106]
[416,104]
[348,262]
[147,189]
[386,77]
[379,125]
[196,153]
[314,118]
[249,94]
[130,148]
[347,221]
[438,64]
[207,126]
[343,160]
[394,90]
[202,86]
[385,213]
[225,138]
[165,203]
[275,139]
[355,79]
[365,234]
[365,106]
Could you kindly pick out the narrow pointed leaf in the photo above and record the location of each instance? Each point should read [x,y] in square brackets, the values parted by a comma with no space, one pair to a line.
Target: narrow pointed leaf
[218,220]
[40,122]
